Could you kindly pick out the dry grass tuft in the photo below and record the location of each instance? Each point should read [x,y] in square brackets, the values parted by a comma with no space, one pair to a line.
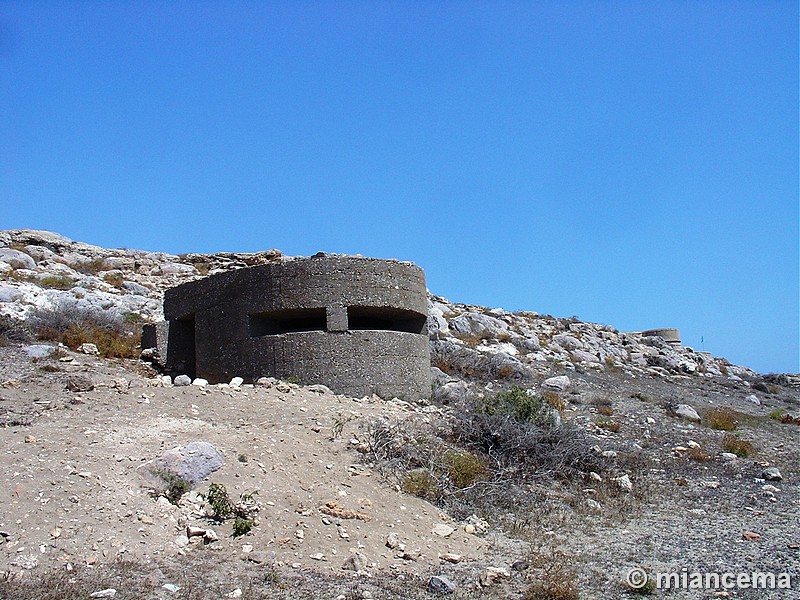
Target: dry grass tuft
[741,448]
[723,419]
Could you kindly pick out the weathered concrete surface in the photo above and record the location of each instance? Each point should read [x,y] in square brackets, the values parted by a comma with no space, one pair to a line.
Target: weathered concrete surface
[357,325]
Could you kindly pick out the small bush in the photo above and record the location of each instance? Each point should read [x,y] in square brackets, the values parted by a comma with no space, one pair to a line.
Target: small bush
[557,581]
[698,454]
[242,526]
[56,282]
[741,448]
[176,486]
[605,410]
[554,399]
[777,414]
[421,483]
[463,468]
[518,403]
[723,419]
[114,336]
[607,424]
[113,278]
[217,497]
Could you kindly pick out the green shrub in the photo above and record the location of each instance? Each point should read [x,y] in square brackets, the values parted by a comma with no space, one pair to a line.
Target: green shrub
[463,468]
[217,497]
[175,485]
[421,483]
[777,414]
[56,282]
[242,526]
[519,404]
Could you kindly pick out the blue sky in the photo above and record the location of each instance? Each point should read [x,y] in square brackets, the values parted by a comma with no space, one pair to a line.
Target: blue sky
[631,163]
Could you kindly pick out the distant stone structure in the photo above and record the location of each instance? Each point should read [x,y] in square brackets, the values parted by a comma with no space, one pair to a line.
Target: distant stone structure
[357,325]
[669,335]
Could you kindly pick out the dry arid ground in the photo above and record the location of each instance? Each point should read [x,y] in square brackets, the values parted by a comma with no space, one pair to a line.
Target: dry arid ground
[76,520]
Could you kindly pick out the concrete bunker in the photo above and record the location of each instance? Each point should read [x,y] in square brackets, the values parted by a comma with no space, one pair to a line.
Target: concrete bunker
[357,325]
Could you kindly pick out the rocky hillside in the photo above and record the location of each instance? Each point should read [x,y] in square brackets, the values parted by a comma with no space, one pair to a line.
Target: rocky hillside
[553,458]
[43,270]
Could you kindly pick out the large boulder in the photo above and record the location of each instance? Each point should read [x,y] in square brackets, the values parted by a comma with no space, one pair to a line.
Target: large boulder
[476,325]
[17,259]
[190,464]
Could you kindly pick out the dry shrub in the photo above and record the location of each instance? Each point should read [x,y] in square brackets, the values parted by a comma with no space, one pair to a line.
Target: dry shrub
[554,399]
[56,282]
[698,454]
[91,267]
[12,330]
[522,434]
[741,448]
[114,336]
[788,419]
[607,424]
[114,278]
[557,581]
[723,419]
[606,411]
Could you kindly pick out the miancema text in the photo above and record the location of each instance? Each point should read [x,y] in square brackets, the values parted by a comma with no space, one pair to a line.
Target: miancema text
[712,581]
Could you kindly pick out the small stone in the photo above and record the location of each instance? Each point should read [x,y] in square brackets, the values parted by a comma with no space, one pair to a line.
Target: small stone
[451,557]
[651,421]
[182,380]
[79,383]
[520,565]
[443,530]
[171,587]
[356,562]
[595,476]
[624,483]
[181,541]
[392,541]
[593,505]
[440,584]
[692,444]
[200,382]
[194,531]
[29,439]
[771,474]
[55,532]
[491,575]
[237,593]
[770,488]
[728,456]
[751,536]
[107,593]
[258,557]
[559,383]
[317,556]
[687,412]
[754,399]
[469,528]
[236,382]
[210,536]
[88,348]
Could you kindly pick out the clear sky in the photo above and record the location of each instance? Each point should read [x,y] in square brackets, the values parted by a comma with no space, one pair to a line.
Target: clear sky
[631,163]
